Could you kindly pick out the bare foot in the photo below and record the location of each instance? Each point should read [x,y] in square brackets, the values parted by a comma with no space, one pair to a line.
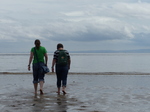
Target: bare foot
[58,92]
[41,92]
[64,92]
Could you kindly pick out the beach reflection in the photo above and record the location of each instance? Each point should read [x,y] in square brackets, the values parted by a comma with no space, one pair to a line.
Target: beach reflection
[62,103]
[48,103]
[38,103]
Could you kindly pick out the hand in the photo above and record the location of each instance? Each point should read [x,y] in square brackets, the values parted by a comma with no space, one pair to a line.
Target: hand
[29,67]
[52,69]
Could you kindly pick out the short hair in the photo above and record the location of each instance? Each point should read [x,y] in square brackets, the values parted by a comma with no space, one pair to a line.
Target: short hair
[59,46]
[37,43]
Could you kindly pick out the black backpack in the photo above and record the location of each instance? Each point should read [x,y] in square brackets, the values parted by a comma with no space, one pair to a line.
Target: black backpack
[62,58]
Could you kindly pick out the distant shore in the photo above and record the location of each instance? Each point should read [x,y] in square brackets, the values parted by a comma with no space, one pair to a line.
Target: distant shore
[80,73]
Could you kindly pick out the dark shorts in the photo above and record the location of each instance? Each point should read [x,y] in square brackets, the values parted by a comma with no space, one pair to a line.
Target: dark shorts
[38,74]
[61,73]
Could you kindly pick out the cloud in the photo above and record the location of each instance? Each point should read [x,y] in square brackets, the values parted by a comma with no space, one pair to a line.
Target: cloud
[92,29]
[132,10]
[77,21]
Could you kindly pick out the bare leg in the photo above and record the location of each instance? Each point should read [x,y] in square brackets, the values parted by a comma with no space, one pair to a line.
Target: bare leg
[41,87]
[35,87]
[58,91]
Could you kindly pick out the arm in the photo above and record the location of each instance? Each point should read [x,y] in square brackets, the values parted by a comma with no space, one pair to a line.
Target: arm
[46,58]
[69,62]
[53,63]
[30,60]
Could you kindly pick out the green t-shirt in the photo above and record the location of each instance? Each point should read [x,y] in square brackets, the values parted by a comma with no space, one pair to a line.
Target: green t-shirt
[40,53]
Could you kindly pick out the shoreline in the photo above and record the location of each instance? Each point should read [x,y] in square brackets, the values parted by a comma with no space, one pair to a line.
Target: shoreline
[80,73]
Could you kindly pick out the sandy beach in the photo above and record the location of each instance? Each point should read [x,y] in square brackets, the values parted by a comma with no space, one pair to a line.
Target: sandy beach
[85,93]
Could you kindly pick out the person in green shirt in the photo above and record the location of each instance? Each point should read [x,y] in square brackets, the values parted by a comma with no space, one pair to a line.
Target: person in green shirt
[38,75]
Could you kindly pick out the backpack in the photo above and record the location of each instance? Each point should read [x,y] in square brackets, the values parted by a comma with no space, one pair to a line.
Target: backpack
[62,58]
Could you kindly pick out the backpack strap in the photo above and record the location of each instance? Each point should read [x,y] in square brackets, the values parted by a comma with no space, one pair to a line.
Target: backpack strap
[36,54]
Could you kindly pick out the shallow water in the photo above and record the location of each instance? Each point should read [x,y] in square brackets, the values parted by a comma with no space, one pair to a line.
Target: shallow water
[85,62]
[85,93]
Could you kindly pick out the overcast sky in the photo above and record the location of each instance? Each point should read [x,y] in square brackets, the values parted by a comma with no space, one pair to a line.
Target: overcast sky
[78,24]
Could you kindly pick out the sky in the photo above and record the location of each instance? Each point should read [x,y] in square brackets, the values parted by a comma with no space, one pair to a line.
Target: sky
[80,25]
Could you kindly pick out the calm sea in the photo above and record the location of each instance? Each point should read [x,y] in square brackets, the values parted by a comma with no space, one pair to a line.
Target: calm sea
[85,63]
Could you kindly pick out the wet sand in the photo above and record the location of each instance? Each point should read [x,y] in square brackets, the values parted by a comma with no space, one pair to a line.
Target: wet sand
[85,93]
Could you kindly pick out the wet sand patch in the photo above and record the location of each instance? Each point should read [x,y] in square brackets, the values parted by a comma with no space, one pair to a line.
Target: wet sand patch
[85,93]
[19,102]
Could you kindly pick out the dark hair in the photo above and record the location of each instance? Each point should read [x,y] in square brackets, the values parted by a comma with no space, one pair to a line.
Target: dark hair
[37,43]
[59,46]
